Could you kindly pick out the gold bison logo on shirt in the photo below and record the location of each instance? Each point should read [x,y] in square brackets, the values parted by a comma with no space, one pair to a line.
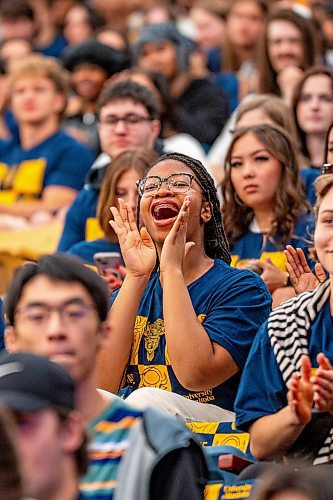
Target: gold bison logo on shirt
[152,337]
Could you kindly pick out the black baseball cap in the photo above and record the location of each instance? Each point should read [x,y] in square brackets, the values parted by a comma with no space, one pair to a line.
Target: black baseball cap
[29,382]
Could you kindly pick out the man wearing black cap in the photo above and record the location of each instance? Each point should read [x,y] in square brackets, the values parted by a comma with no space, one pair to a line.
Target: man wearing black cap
[50,437]
[91,64]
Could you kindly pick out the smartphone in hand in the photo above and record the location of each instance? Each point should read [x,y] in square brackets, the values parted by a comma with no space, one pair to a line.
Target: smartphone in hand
[108,262]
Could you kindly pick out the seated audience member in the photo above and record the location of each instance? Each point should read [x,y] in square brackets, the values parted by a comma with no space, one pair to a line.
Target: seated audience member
[254,110]
[313,112]
[43,169]
[174,141]
[14,49]
[119,182]
[17,19]
[208,17]
[285,397]
[263,206]
[49,433]
[34,21]
[183,350]
[300,483]
[113,38]
[90,64]
[201,106]
[245,24]
[128,118]
[288,47]
[58,308]
[80,24]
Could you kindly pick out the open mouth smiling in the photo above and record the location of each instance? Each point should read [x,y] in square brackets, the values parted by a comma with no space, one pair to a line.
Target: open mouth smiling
[164,213]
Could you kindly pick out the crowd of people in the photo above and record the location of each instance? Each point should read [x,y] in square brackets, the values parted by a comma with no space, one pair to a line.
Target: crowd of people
[193,140]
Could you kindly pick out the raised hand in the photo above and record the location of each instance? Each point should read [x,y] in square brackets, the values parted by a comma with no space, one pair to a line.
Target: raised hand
[301,392]
[323,384]
[137,247]
[175,248]
[301,276]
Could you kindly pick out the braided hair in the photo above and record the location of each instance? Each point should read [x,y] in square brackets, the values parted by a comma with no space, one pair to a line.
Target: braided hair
[215,241]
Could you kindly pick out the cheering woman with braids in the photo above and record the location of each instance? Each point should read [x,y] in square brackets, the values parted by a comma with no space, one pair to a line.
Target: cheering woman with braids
[187,327]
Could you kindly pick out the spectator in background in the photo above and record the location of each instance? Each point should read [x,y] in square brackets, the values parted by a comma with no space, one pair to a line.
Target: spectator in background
[17,19]
[313,112]
[254,110]
[201,106]
[14,49]
[209,18]
[288,48]
[90,64]
[128,118]
[245,23]
[173,139]
[80,23]
[113,38]
[31,20]
[43,169]
[49,434]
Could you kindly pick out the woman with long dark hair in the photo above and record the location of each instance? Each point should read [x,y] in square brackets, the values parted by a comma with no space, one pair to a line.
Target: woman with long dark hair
[264,207]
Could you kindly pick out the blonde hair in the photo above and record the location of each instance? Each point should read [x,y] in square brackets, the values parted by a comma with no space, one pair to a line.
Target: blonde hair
[47,67]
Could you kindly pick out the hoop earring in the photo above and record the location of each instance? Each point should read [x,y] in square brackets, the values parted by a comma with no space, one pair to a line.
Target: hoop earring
[238,200]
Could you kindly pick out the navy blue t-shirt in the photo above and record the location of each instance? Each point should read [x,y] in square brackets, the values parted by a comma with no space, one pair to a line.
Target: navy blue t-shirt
[60,160]
[83,208]
[230,303]
[262,390]
[256,246]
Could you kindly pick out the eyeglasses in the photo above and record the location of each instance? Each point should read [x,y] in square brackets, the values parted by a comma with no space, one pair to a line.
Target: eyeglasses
[71,313]
[130,120]
[327,168]
[177,184]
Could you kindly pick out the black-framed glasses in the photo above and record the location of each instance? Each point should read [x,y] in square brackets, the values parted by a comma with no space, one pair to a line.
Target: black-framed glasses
[38,315]
[130,120]
[327,168]
[176,183]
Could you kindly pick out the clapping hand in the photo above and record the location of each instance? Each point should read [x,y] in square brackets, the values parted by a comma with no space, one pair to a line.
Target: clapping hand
[175,247]
[301,393]
[323,384]
[301,276]
[137,247]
